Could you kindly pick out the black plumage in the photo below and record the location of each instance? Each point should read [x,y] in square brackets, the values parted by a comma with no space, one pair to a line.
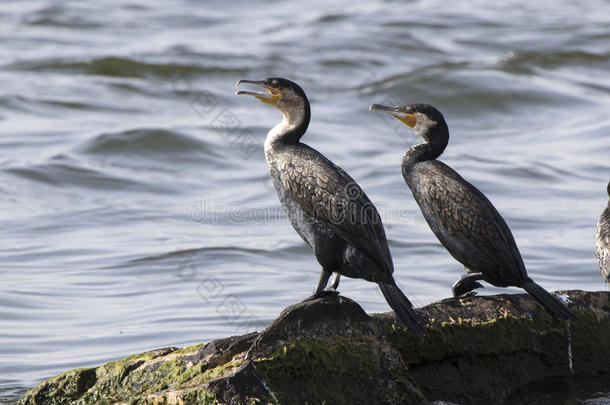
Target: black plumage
[326,193]
[327,208]
[462,218]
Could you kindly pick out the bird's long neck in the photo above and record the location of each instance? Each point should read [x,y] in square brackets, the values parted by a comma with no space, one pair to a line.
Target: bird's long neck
[291,129]
[435,142]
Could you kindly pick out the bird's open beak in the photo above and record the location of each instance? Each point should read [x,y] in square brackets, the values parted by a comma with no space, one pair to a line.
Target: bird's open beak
[406,118]
[272,96]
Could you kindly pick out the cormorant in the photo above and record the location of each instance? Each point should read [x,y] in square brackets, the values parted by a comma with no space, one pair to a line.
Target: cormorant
[461,217]
[326,207]
[602,247]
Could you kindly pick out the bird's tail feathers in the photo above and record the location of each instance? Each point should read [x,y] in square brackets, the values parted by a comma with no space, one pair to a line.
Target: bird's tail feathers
[549,301]
[403,307]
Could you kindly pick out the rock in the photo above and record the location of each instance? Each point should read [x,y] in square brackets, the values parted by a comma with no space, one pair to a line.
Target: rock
[328,350]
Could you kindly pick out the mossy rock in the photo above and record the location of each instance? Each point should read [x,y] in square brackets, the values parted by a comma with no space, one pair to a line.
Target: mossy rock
[338,370]
[477,351]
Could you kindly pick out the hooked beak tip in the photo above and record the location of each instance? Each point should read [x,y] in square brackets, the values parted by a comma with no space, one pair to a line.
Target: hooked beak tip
[380,107]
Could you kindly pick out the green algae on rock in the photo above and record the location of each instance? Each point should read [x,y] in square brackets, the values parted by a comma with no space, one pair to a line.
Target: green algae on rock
[478,350]
[330,351]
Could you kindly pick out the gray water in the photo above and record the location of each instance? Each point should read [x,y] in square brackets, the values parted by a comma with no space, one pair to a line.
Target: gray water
[135,208]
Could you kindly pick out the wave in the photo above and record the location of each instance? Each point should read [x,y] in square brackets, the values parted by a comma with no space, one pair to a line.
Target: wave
[63,170]
[222,253]
[146,141]
[57,15]
[189,254]
[44,106]
[120,67]
[548,59]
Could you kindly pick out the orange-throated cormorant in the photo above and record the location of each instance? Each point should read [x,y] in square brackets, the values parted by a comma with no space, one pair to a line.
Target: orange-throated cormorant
[461,217]
[325,205]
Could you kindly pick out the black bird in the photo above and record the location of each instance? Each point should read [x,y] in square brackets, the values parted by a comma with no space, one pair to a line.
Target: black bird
[326,207]
[461,217]
[602,247]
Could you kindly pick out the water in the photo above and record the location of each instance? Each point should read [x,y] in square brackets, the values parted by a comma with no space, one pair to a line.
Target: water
[136,209]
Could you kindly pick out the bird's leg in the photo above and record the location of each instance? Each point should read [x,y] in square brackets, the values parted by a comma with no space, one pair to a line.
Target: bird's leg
[335,283]
[319,292]
[324,276]
[466,285]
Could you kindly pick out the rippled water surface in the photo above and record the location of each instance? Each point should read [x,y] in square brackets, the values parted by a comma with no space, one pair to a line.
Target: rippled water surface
[136,210]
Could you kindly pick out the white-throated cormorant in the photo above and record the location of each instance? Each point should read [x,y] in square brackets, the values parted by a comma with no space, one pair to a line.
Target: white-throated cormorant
[326,207]
[462,218]
[602,246]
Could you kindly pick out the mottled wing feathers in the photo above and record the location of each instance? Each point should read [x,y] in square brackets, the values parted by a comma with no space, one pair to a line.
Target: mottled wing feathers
[328,194]
[465,213]
[602,247]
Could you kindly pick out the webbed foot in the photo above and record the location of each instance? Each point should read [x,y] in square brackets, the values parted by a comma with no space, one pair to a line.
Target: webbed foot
[322,294]
[466,285]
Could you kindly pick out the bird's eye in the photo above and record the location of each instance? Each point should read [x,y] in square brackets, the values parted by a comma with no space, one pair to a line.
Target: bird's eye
[411,110]
[274,82]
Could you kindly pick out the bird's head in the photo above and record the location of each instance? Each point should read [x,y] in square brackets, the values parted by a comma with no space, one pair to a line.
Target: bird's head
[423,118]
[285,95]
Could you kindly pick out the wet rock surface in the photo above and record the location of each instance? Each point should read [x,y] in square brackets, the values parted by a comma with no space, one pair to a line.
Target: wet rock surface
[328,350]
